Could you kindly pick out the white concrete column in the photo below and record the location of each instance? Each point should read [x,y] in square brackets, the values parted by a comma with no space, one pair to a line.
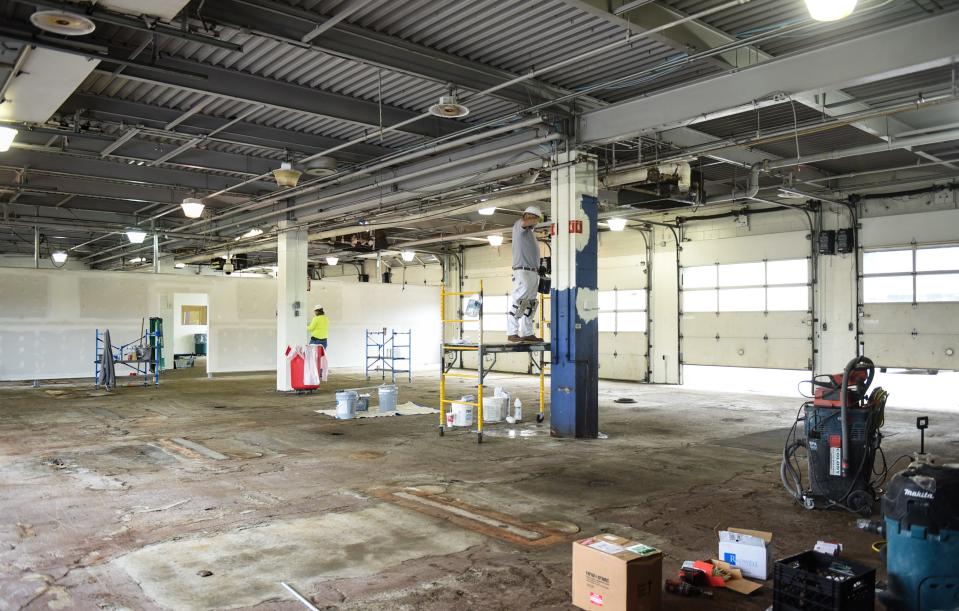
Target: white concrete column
[292,311]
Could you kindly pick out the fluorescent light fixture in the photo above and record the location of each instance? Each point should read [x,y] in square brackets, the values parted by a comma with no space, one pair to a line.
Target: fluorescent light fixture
[616,224]
[495,239]
[249,234]
[136,236]
[137,260]
[830,10]
[192,208]
[488,211]
[7,134]
[59,256]
[408,255]
[179,265]
[332,260]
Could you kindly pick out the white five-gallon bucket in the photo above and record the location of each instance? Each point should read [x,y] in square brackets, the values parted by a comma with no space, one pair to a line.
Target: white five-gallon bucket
[387,398]
[460,414]
[495,408]
[346,404]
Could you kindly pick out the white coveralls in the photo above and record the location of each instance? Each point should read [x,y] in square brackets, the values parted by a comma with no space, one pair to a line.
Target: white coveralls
[525,286]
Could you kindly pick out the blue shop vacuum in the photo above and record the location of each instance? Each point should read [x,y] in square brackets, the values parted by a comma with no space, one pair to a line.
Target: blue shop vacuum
[921,525]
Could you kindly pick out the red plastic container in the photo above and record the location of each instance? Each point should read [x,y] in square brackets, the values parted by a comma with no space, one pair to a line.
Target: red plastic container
[296,369]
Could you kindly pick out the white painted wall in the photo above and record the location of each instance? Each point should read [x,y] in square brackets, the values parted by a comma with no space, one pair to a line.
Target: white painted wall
[48,318]
[355,307]
[182,338]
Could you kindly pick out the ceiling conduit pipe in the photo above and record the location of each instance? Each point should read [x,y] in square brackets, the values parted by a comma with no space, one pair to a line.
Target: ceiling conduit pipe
[365,171]
[385,183]
[500,202]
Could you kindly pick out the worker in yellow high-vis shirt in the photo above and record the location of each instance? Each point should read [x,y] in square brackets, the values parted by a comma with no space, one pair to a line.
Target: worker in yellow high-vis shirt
[319,327]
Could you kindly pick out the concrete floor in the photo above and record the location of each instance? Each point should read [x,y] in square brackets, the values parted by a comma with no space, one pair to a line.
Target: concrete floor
[103,510]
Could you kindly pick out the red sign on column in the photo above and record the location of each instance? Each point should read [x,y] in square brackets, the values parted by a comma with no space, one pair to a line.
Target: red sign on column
[576,226]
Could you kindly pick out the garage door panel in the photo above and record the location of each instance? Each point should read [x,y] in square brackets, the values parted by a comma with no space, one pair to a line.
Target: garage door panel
[926,318]
[622,343]
[622,367]
[747,352]
[788,325]
[924,336]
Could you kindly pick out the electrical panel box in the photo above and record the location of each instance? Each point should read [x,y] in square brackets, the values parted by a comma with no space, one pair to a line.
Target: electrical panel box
[827,242]
[845,241]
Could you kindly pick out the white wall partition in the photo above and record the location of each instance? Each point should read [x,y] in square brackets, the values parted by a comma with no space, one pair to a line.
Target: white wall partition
[48,318]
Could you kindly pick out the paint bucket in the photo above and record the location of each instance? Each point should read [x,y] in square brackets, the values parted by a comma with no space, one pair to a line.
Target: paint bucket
[460,414]
[387,398]
[346,404]
[495,408]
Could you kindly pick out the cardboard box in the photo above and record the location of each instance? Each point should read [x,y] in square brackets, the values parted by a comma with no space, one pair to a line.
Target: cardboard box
[611,573]
[748,550]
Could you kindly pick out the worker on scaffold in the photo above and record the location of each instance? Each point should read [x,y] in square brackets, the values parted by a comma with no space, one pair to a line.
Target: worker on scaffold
[525,277]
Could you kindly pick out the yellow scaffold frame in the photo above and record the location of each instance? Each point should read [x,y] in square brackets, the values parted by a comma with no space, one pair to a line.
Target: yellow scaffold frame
[481,349]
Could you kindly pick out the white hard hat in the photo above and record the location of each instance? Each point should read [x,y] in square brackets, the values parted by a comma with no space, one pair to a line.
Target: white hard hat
[317,307]
[534,210]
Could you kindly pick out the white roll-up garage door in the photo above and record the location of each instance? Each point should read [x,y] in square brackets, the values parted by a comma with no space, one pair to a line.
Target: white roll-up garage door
[746,302]
[910,290]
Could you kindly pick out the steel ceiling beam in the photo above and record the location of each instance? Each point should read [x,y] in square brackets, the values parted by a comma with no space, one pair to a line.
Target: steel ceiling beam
[108,109]
[201,78]
[869,58]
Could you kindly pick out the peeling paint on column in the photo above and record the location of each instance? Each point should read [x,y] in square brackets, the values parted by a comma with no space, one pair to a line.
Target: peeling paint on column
[587,304]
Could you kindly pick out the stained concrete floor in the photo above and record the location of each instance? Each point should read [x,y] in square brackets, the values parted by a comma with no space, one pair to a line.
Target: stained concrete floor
[102,509]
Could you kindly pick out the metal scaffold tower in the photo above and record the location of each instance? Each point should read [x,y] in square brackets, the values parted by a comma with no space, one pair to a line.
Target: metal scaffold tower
[143,356]
[449,351]
[389,352]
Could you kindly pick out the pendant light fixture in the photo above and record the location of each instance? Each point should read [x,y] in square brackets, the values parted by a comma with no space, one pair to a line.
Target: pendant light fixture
[616,224]
[286,176]
[192,208]
[495,239]
[136,236]
[830,10]
[7,134]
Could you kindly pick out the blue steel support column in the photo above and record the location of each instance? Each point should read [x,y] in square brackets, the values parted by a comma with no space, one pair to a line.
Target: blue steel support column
[574,331]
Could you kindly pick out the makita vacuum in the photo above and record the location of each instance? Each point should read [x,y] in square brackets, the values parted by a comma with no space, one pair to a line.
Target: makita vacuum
[921,526]
[841,437]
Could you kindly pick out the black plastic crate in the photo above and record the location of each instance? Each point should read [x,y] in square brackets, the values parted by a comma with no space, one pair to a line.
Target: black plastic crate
[811,581]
